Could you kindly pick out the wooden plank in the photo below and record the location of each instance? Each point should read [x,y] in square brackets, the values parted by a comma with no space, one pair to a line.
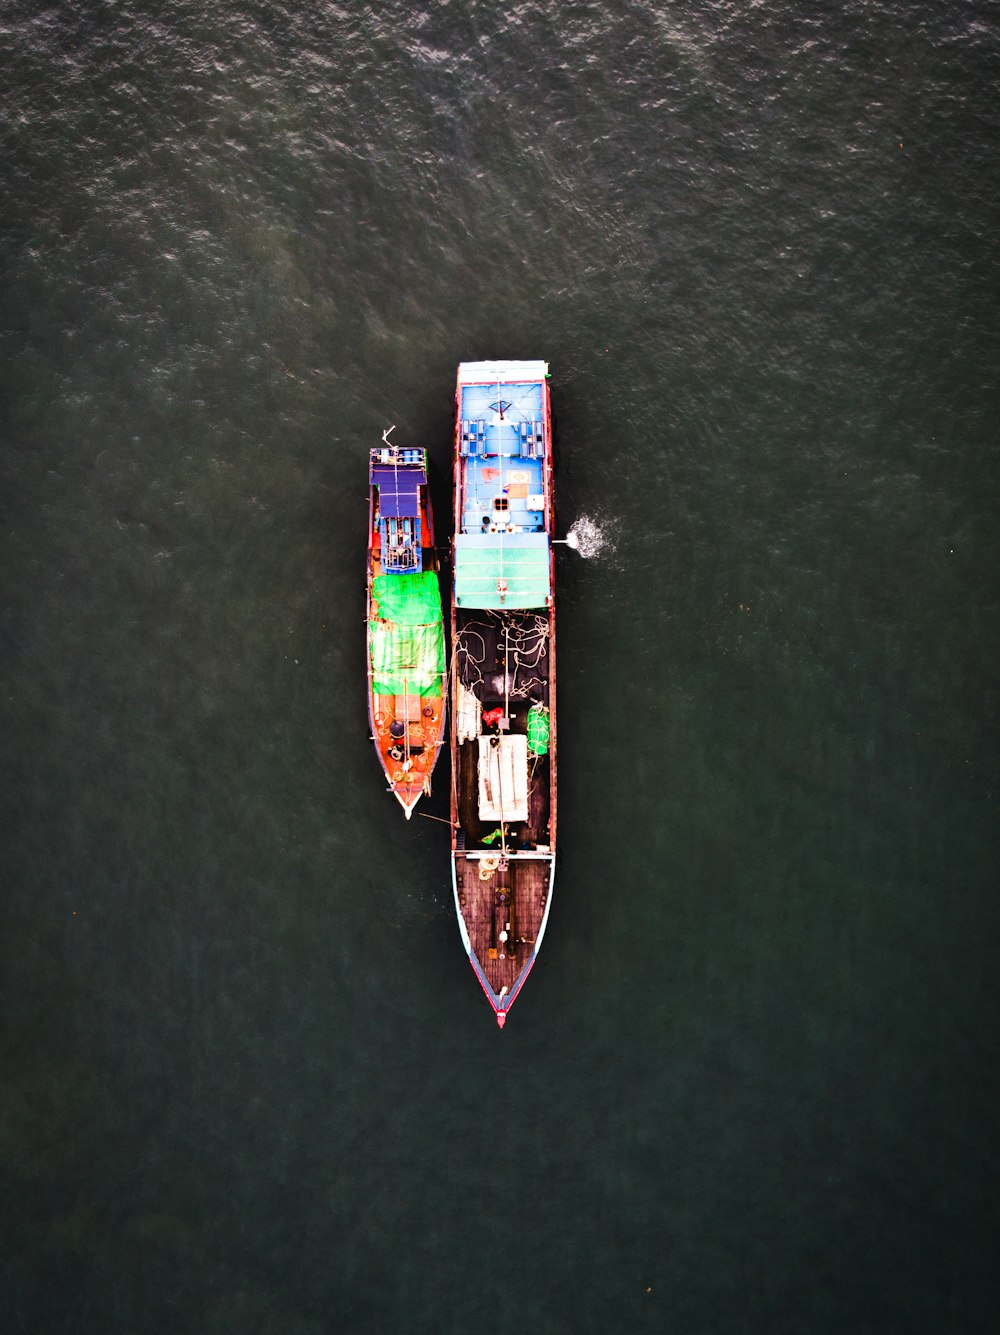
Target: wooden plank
[526,883]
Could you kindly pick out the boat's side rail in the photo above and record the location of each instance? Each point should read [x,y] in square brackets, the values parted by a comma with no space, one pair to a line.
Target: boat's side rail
[532,855]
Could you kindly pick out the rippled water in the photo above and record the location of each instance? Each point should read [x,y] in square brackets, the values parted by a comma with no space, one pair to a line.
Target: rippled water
[249,1081]
[592,537]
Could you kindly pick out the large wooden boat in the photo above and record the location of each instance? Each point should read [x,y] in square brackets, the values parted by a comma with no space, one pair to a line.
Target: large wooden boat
[407,677]
[503,715]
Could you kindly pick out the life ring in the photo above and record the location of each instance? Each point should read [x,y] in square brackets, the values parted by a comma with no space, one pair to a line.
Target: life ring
[428,711]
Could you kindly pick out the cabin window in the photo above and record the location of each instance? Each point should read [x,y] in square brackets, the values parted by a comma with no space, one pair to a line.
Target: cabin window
[501,503]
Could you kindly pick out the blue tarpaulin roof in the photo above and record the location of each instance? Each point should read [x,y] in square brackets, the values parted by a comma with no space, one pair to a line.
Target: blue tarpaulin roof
[501,569]
[398,490]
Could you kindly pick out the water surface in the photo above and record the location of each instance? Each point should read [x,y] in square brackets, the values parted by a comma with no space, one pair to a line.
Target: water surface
[250,1084]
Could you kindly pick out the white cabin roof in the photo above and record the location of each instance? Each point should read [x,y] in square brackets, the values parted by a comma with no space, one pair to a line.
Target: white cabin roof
[486,373]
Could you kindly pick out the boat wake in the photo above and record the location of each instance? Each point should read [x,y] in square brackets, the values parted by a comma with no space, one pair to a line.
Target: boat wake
[589,537]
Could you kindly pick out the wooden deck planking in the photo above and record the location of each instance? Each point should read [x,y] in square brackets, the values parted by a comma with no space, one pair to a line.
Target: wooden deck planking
[527,881]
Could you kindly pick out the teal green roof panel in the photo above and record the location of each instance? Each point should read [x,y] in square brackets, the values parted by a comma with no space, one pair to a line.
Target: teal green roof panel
[501,569]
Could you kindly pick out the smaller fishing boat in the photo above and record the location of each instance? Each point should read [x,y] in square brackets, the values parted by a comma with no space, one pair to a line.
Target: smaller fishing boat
[407,677]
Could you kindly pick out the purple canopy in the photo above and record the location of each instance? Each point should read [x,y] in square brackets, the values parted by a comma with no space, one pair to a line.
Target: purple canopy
[398,491]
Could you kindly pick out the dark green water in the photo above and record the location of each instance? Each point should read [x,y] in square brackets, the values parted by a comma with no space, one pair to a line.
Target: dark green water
[249,1081]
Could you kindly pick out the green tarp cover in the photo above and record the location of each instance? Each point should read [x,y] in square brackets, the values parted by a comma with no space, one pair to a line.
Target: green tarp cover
[519,560]
[406,634]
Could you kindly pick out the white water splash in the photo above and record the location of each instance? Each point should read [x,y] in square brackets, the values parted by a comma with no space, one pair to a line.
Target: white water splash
[587,537]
